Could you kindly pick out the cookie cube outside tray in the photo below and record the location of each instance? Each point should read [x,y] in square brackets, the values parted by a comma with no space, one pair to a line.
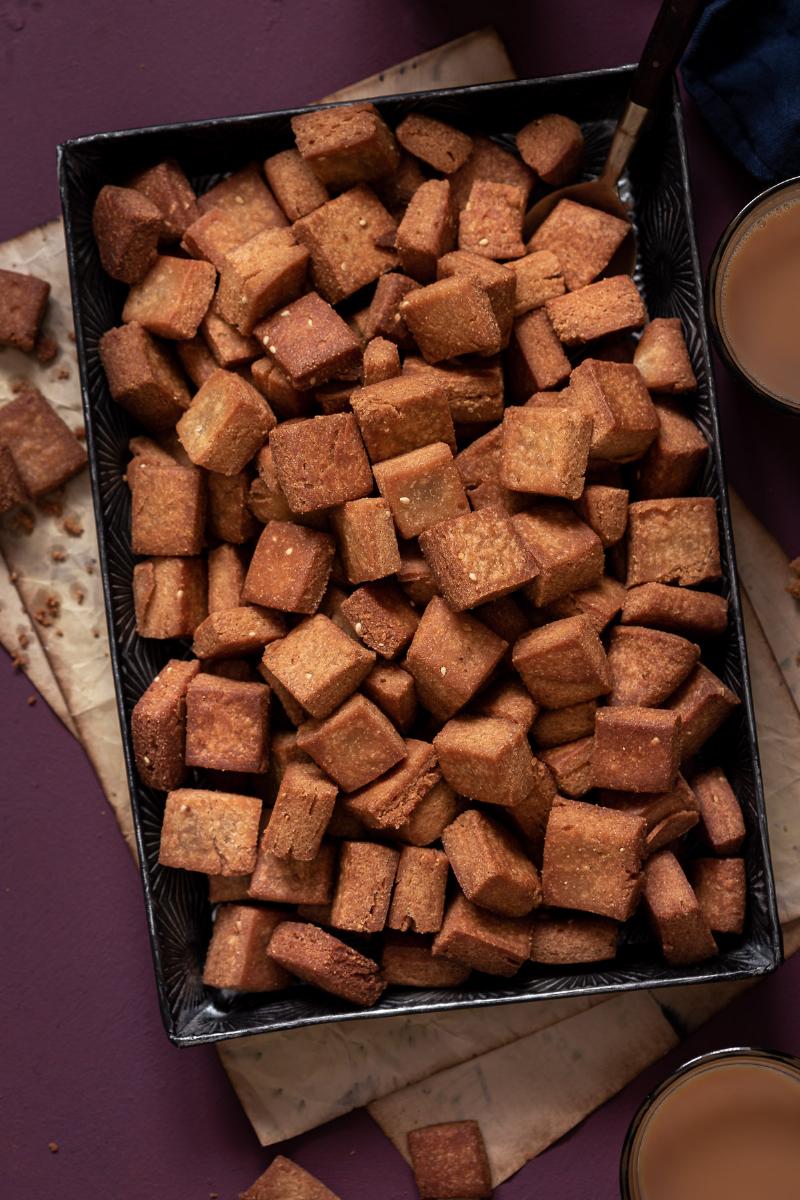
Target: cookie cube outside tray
[450,1160]
[142,377]
[673,541]
[486,759]
[342,238]
[490,867]
[562,663]
[172,298]
[674,459]
[290,568]
[583,239]
[451,656]
[593,859]
[212,832]
[301,813]
[570,766]
[227,423]
[720,885]
[364,887]
[647,665]
[407,961]
[609,306]
[345,144]
[384,316]
[367,539]
[669,815]
[720,811]
[561,939]
[615,397]
[662,357]
[227,724]
[427,230]
[703,703]
[381,617]
[285,1180]
[417,904]
[545,450]
[158,726]
[294,185]
[538,278]
[12,491]
[675,912]
[452,317]
[127,228]
[237,954]
[236,632]
[567,555]
[422,488]
[225,578]
[310,342]
[403,414]
[488,160]
[536,361]
[497,280]
[166,186]
[45,451]
[476,558]
[436,143]
[490,223]
[293,880]
[438,807]
[168,509]
[264,272]
[169,596]
[354,745]
[318,665]
[552,146]
[23,300]
[605,510]
[483,940]
[392,800]
[318,958]
[700,614]
[392,688]
[636,749]
[381,361]
[321,462]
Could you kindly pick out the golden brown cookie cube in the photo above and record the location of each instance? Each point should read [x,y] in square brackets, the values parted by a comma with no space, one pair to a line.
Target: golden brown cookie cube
[342,237]
[218,231]
[615,397]
[407,961]
[422,488]
[451,657]
[318,664]
[720,811]
[556,727]
[538,278]
[593,859]
[487,759]
[701,614]
[703,704]
[558,939]
[476,558]
[227,423]
[142,377]
[392,801]
[321,462]
[567,555]
[675,913]
[225,578]
[427,230]
[23,300]
[662,357]
[196,359]
[570,766]
[392,689]
[237,954]
[611,305]
[452,317]
[438,807]
[166,186]
[213,832]
[668,815]
[563,662]
[168,509]
[384,316]
[583,239]
[510,700]
[414,575]
[490,223]
[293,880]
[450,1160]
[237,632]
[505,617]
[436,143]
[223,889]
[45,451]
[295,186]
[258,276]
[479,467]
[483,940]
[127,228]
[12,491]
[720,885]
[345,144]
[284,1180]
[497,280]
[381,361]
[319,958]
[488,160]
[379,615]
[172,298]
[227,724]
[354,745]
[636,749]
[402,414]
[545,450]
[605,510]
[418,898]
[290,568]
[246,201]
[673,461]
[396,189]
[647,665]
[364,887]
[536,361]
[310,342]
[229,517]
[552,146]
[490,866]
[158,726]
[169,596]
[673,541]
[265,497]
[367,539]
[302,812]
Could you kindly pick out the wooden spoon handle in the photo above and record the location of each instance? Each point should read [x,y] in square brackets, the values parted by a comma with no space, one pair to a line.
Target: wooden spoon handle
[668,38]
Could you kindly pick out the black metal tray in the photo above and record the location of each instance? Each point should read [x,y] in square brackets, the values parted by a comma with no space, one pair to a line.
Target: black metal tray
[668,272]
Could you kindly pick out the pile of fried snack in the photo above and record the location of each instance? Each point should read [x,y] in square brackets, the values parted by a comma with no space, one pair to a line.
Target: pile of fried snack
[426,510]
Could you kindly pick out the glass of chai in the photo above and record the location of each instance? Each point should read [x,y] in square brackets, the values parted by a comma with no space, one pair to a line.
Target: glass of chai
[753,294]
[725,1126]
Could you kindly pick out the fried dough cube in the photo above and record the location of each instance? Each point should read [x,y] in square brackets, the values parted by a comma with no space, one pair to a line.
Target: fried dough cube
[301,813]
[701,614]
[226,574]
[483,940]
[563,663]
[237,632]
[321,462]
[593,859]
[290,568]
[553,147]
[417,904]
[545,450]
[310,342]
[318,664]
[673,541]
[226,425]
[345,144]
[450,1160]
[318,958]
[600,603]
[427,230]
[364,887]
[436,143]
[571,766]
[539,278]
[237,954]
[567,555]
[636,749]
[381,361]
[497,280]
[674,459]
[166,186]
[212,832]
[452,317]
[508,699]
[490,223]
[434,812]
[487,759]
[367,540]
[354,745]
[169,596]
[142,377]
[583,239]
[451,657]
[490,867]
[566,939]
[158,726]
[615,397]
[393,800]
[127,228]
[295,186]
[536,360]
[23,300]
[402,414]
[675,912]
[172,298]
[720,811]
[476,558]
[294,880]
[422,488]
[611,305]
[12,491]
[342,237]
[168,509]
[662,357]
[258,276]
[285,1180]
[384,316]
[407,961]
[668,815]
[246,201]
[45,451]
[392,689]
[703,703]
[227,724]
[647,665]
[720,885]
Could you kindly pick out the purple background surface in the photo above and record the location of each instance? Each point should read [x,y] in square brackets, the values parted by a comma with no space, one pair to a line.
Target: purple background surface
[85,1061]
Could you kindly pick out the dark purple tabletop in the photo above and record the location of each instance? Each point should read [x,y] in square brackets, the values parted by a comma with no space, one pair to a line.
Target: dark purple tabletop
[86,1063]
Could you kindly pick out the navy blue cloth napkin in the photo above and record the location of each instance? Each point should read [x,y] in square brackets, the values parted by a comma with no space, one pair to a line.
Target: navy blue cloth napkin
[742,69]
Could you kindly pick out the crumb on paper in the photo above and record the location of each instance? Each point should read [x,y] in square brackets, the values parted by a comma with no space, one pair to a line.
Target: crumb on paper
[53,1147]
[57,554]
[17,385]
[48,613]
[31,700]
[19,661]
[71,334]
[78,593]
[61,373]
[95,633]
[51,505]
[72,526]
[24,639]
[22,521]
[90,568]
